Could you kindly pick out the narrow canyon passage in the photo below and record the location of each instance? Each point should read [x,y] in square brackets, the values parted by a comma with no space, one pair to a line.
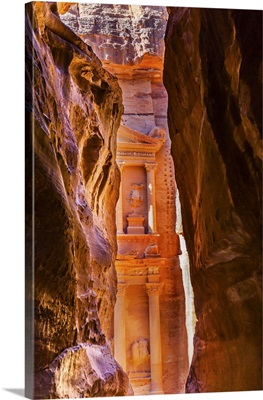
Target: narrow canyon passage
[150,336]
[154,113]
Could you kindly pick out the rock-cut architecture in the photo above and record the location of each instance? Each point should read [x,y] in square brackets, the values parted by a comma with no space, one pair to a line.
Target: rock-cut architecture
[148,336]
[110,294]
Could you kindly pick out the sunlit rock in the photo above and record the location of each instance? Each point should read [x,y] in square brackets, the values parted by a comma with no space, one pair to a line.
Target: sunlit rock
[213,76]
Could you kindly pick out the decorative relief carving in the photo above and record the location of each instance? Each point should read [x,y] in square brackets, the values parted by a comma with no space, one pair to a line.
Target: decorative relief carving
[134,154]
[150,166]
[120,164]
[153,270]
[136,272]
[153,288]
[140,352]
[122,238]
[121,289]
[135,197]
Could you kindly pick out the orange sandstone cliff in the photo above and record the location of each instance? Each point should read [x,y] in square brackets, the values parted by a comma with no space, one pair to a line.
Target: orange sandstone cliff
[72,121]
[129,40]
[213,76]
[213,79]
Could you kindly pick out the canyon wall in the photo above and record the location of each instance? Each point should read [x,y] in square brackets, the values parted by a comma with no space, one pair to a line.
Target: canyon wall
[213,76]
[129,40]
[72,118]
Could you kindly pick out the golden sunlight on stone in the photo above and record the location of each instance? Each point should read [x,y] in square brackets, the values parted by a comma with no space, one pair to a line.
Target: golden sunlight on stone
[147,199]
[149,336]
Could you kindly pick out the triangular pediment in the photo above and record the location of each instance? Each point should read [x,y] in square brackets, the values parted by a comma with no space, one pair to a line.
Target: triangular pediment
[128,135]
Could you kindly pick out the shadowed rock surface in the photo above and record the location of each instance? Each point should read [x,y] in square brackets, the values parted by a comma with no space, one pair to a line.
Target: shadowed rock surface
[213,77]
[77,110]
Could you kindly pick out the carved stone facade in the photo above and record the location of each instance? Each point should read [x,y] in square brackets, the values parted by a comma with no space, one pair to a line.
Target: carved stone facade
[150,340]
[149,333]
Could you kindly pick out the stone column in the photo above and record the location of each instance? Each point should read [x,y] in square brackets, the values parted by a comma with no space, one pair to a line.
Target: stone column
[153,290]
[119,216]
[150,170]
[119,326]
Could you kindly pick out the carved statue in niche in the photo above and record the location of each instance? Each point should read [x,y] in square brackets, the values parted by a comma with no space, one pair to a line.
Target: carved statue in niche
[140,352]
[135,197]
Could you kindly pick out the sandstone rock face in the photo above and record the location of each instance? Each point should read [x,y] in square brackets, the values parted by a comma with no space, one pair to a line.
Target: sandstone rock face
[76,114]
[213,78]
[129,40]
[85,370]
[121,34]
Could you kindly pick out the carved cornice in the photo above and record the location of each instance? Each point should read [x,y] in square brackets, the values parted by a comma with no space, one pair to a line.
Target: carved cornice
[131,143]
[128,135]
[123,265]
[126,238]
[137,151]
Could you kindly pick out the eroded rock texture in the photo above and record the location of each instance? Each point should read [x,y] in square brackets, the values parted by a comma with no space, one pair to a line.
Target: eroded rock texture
[121,34]
[129,40]
[77,110]
[214,81]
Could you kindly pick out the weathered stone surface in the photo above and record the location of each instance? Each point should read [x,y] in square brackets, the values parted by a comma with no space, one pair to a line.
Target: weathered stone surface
[129,40]
[76,114]
[86,370]
[213,78]
[121,34]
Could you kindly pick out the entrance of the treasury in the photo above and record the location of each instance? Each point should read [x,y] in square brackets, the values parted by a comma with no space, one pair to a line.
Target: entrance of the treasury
[149,327]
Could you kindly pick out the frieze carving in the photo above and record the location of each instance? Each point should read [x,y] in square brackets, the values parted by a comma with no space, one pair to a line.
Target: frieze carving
[123,238]
[153,270]
[136,272]
[134,154]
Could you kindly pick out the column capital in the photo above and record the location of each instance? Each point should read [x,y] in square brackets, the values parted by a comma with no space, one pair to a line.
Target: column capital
[121,164]
[150,166]
[153,288]
[121,289]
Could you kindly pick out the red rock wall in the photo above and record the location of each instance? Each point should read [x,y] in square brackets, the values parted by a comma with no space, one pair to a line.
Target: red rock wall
[213,77]
[130,42]
[73,117]
[119,33]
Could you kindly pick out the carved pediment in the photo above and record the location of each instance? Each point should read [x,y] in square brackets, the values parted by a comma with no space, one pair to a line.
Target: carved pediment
[132,143]
[128,135]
